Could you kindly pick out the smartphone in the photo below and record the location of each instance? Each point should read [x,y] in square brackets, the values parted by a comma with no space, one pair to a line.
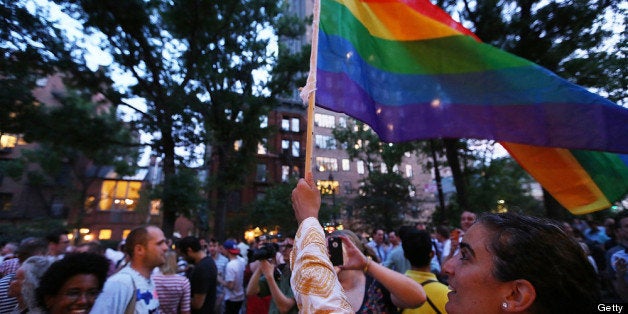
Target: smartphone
[334,246]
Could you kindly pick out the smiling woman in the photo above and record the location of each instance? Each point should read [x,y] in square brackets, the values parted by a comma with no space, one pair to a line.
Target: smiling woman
[520,264]
[72,284]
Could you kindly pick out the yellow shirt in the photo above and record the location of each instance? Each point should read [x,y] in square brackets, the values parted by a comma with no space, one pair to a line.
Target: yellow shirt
[436,292]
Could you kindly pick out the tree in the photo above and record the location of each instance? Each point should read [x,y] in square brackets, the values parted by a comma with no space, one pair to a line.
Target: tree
[383,197]
[570,38]
[193,63]
[275,209]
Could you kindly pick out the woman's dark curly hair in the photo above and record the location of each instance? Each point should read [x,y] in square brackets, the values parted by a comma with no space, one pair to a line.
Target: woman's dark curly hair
[539,251]
[71,265]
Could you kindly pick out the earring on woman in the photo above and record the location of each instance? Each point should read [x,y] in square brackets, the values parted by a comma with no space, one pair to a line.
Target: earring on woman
[504,305]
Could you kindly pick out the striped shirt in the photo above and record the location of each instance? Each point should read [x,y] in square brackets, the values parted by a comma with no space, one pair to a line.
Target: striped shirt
[7,304]
[9,266]
[173,292]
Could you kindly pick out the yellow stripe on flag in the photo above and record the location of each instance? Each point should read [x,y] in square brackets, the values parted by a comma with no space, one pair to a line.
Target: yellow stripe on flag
[396,21]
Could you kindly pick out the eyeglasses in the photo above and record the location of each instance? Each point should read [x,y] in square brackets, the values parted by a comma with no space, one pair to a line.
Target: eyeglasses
[75,294]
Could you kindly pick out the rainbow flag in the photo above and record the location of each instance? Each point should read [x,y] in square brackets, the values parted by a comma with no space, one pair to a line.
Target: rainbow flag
[582,181]
[411,72]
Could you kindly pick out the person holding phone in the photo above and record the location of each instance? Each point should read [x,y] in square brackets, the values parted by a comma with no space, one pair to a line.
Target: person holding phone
[374,288]
[316,285]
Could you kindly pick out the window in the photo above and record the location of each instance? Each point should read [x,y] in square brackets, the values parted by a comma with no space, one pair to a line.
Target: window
[326,164]
[290,124]
[409,171]
[346,165]
[360,166]
[104,234]
[295,126]
[296,149]
[285,124]
[383,168]
[5,201]
[125,233]
[263,122]
[342,122]
[260,175]
[325,142]
[285,144]
[285,173]
[155,206]
[10,141]
[324,120]
[347,187]
[237,145]
[261,147]
[119,195]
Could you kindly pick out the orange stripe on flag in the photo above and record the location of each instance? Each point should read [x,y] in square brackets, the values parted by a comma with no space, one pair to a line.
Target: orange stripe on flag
[558,171]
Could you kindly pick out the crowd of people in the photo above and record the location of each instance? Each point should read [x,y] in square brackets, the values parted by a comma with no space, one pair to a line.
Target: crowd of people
[492,263]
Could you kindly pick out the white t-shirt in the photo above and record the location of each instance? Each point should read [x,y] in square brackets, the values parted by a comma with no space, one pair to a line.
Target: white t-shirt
[118,290]
[234,271]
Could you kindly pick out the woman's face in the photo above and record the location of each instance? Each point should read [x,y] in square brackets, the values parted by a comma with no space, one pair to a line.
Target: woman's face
[474,289]
[77,295]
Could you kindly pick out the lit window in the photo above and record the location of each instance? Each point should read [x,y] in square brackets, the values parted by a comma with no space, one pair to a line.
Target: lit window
[155,206]
[346,165]
[285,144]
[119,195]
[360,166]
[325,142]
[237,145]
[285,124]
[285,173]
[125,233]
[104,234]
[326,164]
[295,125]
[342,122]
[383,168]
[324,120]
[263,122]
[8,141]
[261,147]
[296,149]
[409,171]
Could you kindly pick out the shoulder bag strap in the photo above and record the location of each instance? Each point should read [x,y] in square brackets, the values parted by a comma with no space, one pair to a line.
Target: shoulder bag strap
[428,298]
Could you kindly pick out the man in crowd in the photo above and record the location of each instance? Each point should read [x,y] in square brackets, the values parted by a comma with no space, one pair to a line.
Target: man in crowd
[378,244]
[131,289]
[418,249]
[275,281]
[58,243]
[233,280]
[221,263]
[467,219]
[202,277]
[396,259]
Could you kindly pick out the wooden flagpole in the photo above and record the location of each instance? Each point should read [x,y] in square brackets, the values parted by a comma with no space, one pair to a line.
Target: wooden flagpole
[310,89]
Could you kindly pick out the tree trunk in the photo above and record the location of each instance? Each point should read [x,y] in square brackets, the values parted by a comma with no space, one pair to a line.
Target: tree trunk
[459,181]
